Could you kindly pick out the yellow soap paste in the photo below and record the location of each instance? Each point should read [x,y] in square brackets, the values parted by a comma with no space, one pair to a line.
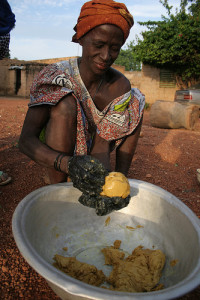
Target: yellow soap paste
[139,272]
[116,185]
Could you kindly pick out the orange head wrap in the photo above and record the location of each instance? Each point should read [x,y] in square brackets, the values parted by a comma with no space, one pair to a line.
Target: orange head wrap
[99,12]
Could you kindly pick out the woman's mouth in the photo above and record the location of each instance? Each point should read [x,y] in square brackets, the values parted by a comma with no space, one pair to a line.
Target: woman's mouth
[101,66]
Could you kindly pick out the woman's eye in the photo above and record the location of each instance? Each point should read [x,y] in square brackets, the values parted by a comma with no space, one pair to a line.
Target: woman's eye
[99,46]
[116,49]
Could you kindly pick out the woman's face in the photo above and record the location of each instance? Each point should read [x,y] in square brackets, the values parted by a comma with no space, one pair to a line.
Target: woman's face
[101,47]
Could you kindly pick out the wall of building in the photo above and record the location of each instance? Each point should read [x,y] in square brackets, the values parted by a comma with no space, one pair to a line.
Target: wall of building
[147,80]
[17,76]
[28,75]
[5,81]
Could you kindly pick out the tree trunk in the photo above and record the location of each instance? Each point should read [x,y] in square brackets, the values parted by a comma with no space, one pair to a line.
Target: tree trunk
[168,114]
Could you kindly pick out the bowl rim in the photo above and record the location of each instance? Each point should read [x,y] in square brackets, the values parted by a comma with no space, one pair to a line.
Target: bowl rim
[69,284]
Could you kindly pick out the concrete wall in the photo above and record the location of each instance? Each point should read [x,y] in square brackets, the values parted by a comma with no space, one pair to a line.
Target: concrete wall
[6,83]
[27,76]
[11,70]
[147,80]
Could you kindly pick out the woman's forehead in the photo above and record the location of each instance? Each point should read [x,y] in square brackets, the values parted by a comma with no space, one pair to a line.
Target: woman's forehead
[105,31]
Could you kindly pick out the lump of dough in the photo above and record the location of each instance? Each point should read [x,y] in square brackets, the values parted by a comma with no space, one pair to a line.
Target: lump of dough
[116,185]
[112,255]
[139,272]
[81,271]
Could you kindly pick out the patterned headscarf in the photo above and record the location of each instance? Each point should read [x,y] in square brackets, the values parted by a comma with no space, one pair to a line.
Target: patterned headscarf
[99,12]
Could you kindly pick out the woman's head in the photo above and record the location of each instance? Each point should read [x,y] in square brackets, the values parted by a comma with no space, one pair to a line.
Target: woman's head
[101,46]
[99,12]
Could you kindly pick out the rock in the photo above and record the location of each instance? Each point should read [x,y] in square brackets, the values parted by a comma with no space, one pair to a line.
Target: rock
[148,176]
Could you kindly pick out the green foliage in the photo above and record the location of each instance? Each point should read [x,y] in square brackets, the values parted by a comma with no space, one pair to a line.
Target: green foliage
[127,58]
[174,42]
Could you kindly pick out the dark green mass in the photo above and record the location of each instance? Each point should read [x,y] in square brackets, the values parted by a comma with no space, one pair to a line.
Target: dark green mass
[88,175]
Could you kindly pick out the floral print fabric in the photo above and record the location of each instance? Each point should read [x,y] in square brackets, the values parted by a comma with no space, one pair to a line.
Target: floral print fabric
[118,119]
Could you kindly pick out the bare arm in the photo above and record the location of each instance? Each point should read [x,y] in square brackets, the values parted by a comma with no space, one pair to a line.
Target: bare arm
[101,151]
[29,142]
[125,152]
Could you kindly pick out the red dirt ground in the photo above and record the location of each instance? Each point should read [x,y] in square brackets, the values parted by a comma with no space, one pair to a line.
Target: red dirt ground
[165,157]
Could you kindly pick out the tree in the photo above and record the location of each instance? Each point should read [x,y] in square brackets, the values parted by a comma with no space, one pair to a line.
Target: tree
[127,58]
[174,42]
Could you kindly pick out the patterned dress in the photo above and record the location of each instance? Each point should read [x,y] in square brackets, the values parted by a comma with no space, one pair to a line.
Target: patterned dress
[4,45]
[118,119]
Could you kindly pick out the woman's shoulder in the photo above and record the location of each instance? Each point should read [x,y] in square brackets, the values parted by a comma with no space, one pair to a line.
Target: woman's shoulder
[68,64]
[56,73]
[119,81]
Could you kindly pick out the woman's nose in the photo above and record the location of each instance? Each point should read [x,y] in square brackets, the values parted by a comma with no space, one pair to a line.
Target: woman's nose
[105,53]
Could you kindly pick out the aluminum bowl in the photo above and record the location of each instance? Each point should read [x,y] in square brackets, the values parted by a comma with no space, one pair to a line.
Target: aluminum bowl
[51,218]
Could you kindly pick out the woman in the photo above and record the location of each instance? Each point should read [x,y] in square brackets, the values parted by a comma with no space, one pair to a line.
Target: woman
[7,23]
[83,105]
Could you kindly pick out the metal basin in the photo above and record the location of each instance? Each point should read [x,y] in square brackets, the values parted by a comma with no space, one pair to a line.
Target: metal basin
[51,218]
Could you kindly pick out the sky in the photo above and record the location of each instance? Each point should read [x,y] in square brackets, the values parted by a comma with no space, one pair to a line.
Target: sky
[44,28]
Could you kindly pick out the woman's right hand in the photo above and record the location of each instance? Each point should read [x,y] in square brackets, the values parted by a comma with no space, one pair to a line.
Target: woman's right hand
[87,174]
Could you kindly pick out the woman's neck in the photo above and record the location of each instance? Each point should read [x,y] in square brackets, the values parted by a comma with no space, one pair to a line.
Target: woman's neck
[88,77]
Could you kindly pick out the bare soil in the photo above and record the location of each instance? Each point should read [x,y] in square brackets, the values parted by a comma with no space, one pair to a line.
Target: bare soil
[165,157]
